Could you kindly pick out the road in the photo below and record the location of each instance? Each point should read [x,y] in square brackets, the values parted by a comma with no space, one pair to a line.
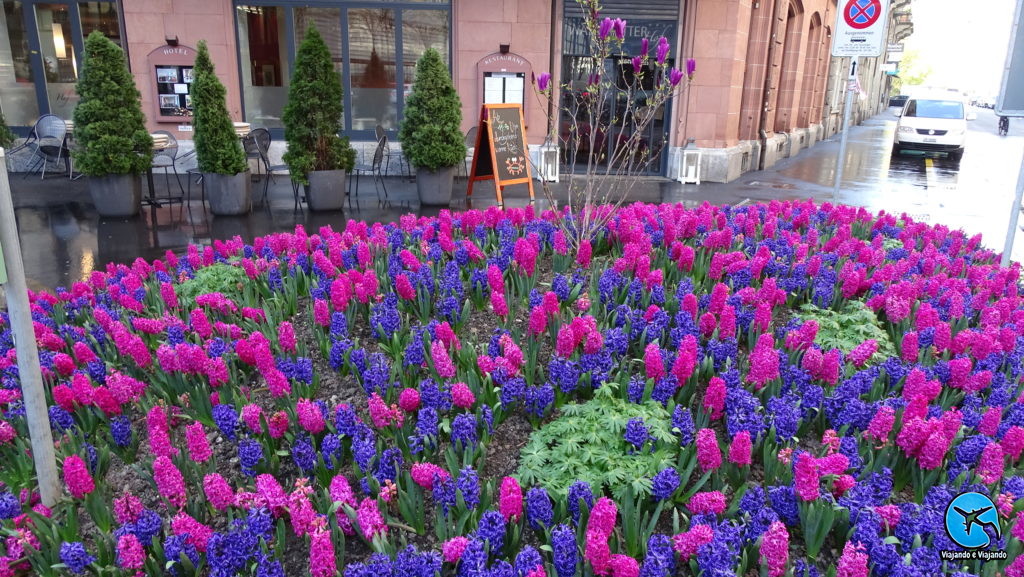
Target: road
[976,195]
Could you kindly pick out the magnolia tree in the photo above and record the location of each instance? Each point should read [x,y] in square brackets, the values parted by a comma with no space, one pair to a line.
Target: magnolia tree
[602,125]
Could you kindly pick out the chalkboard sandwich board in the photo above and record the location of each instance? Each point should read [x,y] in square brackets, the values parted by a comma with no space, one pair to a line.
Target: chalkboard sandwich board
[500,153]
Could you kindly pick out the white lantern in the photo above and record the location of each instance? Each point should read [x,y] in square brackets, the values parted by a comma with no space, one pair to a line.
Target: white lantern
[689,163]
[549,162]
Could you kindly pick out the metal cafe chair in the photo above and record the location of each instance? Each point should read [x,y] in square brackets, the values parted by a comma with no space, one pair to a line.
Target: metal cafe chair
[166,158]
[260,138]
[374,169]
[48,142]
[470,141]
[403,162]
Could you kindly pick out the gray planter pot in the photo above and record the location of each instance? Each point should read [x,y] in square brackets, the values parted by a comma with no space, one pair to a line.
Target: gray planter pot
[116,194]
[228,194]
[435,188]
[326,190]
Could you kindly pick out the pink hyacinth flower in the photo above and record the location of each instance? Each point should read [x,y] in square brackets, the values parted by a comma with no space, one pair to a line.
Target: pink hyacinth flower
[740,450]
[624,566]
[310,417]
[714,398]
[322,562]
[853,562]
[453,548]
[169,482]
[709,456]
[77,478]
[198,445]
[774,551]
[510,500]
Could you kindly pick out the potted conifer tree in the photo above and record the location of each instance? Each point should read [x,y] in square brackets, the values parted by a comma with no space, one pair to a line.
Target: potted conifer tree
[317,156]
[218,150]
[431,134]
[114,148]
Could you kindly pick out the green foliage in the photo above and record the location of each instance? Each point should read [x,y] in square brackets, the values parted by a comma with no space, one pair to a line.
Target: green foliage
[586,443]
[6,136]
[217,146]
[312,117]
[431,133]
[110,128]
[913,71]
[219,277]
[848,327]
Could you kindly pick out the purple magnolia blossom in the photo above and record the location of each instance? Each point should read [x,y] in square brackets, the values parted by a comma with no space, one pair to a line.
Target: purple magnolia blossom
[619,25]
[645,45]
[663,48]
[543,80]
[675,75]
[638,64]
[691,67]
[606,28]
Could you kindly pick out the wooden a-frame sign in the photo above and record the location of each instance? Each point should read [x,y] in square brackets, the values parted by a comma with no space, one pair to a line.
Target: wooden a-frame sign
[500,153]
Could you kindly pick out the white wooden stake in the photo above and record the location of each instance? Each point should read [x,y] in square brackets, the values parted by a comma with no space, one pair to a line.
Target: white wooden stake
[25,344]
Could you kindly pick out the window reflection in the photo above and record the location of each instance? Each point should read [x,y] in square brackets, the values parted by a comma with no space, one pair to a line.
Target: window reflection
[264,54]
[372,68]
[100,16]
[327,22]
[59,63]
[422,29]
[17,93]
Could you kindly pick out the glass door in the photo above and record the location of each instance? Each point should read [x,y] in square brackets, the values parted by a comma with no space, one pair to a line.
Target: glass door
[601,134]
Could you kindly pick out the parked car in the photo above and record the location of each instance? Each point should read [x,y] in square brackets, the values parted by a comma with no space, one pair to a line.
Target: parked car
[933,124]
[899,100]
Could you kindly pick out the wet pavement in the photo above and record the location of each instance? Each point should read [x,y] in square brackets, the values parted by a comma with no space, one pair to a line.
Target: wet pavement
[63,239]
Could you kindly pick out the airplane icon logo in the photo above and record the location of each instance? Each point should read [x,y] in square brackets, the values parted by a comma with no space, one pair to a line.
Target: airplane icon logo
[972,521]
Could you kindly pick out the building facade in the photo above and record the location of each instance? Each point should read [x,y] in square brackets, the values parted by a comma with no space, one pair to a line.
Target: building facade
[765,88]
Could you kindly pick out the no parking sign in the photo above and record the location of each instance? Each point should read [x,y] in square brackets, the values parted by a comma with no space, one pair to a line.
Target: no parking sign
[860,28]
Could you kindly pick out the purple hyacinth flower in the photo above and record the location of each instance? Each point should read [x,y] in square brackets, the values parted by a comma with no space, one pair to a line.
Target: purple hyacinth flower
[606,28]
[662,49]
[691,67]
[543,80]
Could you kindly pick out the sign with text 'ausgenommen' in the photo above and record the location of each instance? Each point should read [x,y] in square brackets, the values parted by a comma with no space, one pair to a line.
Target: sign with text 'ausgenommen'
[500,153]
[860,28]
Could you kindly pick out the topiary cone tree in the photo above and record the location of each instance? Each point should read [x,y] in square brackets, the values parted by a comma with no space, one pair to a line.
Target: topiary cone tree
[217,146]
[110,128]
[312,117]
[431,133]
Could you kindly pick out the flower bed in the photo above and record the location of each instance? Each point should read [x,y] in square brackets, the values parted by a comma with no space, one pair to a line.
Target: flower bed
[367,402]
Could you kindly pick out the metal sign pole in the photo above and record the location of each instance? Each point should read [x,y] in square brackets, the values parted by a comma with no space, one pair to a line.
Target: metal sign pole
[1011,232]
[31,377]
[850,92]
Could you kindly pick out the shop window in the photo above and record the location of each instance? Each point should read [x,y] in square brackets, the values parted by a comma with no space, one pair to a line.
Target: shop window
[17,91]
[264,54]
[100,16]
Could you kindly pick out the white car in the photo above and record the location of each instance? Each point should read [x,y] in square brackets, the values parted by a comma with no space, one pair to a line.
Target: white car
[933,124]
